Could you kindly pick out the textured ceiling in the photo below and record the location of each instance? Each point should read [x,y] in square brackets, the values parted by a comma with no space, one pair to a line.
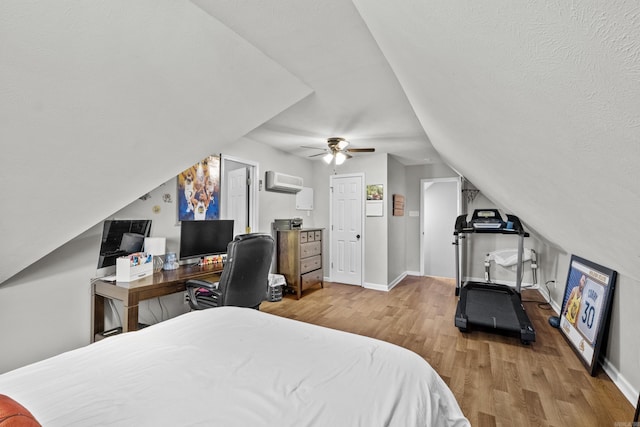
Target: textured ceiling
[537,103]
[328,46]
[99,100]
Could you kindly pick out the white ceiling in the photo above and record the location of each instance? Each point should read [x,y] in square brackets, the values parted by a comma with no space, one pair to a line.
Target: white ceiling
[328,46]
[536,103]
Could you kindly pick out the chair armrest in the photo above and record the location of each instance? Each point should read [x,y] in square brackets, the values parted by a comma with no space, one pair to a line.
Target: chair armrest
[203,294]
[195,283]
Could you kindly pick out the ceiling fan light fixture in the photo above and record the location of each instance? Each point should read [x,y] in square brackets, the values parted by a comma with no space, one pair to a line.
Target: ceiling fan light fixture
[342,144]
[340,158]
[328,158]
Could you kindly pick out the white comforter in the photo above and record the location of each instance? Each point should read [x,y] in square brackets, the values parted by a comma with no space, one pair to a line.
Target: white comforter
[235,367]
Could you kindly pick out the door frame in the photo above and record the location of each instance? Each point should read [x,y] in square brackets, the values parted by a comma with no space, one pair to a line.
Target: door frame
[254,173]
[423,186]
[363,225]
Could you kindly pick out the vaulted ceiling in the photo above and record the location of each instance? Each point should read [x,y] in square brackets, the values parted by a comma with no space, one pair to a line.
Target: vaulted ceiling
[535,102]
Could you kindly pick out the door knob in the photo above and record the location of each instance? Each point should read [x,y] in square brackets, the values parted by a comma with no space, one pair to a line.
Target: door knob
[357,236]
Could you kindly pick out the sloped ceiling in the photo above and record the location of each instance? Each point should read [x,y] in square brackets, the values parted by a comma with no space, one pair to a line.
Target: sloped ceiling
[103,100]
[537,103]
[356,95]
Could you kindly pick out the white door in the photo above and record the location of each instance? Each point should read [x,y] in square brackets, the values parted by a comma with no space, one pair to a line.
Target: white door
[440,208]
[237,200]
[346,232]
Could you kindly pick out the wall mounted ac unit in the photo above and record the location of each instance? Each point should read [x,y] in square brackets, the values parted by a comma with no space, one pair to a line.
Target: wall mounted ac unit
[277,181]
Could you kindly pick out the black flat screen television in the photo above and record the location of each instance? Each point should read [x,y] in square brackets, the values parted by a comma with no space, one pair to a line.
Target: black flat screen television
[205,238]
[120,237]
[584,317]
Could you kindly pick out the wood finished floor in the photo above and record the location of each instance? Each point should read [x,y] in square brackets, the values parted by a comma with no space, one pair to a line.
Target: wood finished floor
[497,380]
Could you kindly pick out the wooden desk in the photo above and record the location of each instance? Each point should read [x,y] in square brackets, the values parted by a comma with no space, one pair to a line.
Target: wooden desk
[131,293]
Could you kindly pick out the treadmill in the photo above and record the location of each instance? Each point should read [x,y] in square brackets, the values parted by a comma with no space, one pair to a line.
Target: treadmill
[493,307]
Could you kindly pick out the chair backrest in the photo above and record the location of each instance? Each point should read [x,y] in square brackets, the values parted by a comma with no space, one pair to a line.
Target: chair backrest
[245,276]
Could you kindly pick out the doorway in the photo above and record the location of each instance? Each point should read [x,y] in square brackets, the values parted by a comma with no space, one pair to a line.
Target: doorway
[346,236]
[440,205]
[239,193]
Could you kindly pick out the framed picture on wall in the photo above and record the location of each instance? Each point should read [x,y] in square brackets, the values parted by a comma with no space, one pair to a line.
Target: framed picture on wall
[198,191]
[375,200]
[586,306]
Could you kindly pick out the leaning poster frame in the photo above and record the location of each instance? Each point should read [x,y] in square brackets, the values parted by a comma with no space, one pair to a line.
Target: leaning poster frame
[198,190]
[586,309]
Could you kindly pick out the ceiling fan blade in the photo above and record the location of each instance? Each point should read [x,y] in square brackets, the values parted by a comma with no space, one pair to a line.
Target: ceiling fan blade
[319,154]
[360,150]
[313,148]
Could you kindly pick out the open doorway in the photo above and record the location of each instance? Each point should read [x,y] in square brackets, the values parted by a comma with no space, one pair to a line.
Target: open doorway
[239,193]
[440,205]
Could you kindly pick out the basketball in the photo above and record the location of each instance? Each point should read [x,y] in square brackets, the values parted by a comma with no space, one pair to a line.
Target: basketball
[13,414]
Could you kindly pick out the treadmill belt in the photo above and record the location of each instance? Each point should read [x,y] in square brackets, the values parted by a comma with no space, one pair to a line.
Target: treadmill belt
[490,308]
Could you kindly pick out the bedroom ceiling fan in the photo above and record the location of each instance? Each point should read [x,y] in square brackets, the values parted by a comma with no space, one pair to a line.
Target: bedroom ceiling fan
[337,151]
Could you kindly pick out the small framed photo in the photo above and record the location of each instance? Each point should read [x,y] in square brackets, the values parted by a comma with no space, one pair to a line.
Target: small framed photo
[375,192]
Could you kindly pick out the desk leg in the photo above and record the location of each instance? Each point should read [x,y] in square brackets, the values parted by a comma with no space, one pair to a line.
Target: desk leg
[97,320]
[130,321]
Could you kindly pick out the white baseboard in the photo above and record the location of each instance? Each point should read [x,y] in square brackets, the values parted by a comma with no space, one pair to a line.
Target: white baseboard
[620,381]
[385,288]
[616,377]
[375,287]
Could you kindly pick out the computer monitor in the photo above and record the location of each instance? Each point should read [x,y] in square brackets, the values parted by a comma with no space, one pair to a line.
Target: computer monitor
[585,308]
[120,237]
[199,239]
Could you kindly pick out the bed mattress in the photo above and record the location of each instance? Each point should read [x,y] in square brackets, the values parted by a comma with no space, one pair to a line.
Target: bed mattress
[233,366]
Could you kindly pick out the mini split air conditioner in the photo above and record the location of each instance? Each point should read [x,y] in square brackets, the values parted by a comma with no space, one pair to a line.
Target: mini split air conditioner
[277,181]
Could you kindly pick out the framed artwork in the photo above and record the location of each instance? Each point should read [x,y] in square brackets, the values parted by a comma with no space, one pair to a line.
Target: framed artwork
[586,306]
[398,205]
[375,200]
[375,192]
[198,191]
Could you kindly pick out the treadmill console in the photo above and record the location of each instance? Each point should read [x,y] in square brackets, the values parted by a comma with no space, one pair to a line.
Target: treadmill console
[487,219]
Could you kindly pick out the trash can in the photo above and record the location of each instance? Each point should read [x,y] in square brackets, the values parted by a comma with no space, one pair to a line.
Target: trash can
[274,288]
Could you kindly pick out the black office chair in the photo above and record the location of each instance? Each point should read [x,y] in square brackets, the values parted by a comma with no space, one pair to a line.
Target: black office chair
[244,278]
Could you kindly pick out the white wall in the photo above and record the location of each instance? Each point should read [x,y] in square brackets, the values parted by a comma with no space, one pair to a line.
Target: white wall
[116,94]
[45,309]
[397,229]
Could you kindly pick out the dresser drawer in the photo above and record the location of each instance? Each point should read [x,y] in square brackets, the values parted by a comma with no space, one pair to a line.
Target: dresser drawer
[317,235]
[310,249]
[310,264]
[310,279]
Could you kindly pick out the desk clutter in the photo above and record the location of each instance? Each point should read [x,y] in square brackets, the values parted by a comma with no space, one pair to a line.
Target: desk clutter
[134,266]
[213,260]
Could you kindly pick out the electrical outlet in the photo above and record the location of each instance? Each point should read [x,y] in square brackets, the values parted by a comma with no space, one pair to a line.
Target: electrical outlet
[185,299]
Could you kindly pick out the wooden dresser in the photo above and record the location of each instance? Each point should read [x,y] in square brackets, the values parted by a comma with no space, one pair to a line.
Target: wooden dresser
[300,258]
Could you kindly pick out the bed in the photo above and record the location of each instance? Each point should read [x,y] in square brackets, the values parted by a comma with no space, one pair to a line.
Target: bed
[232,366]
